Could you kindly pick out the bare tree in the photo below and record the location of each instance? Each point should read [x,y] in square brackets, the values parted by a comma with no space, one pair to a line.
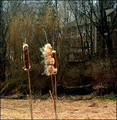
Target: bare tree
[95,11]
[105,30]
[74,6]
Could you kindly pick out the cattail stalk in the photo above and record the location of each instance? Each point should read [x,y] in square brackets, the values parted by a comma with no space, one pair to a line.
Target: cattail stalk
[55,87]
[30,95]
[27,67]
[54,99]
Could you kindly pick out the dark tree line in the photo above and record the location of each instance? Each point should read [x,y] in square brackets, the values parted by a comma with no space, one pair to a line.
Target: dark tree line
[2,45]
[37,23]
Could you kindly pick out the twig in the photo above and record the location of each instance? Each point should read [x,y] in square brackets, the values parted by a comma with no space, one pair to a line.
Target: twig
[4,88]
[51,95]
[45,35]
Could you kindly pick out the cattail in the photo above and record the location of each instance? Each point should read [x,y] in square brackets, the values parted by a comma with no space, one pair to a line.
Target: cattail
[50,68]
[47,50]
[55,71]
[27,67]
[52,61]
[55,62]
[48,59]
[26,57]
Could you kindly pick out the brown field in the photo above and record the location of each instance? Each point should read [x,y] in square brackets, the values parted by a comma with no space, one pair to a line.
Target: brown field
[89,109]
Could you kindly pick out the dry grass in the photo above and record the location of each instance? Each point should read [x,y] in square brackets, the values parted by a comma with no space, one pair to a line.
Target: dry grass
[93,109]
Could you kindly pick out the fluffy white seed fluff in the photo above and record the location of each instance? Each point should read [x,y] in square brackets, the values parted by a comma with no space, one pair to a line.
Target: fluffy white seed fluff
[55,71]
[48,59]
[49,70]
[25,45]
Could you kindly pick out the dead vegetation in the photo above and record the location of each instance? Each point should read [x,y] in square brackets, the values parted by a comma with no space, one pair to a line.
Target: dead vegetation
[67,109]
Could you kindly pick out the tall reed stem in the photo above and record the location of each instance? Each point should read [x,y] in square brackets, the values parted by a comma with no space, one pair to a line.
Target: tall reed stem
[55,87]
[30,95]
[55,110]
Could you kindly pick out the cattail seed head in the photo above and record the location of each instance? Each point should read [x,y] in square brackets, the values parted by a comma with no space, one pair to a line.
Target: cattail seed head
[52,61]
[47,50]
[26,57]
[49,70]
[49,59]
[54,56]
[55,63]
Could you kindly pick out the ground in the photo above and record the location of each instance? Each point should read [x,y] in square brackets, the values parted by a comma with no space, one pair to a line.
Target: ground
[66,109]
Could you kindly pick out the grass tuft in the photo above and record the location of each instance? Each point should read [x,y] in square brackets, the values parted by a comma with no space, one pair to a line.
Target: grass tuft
[112,97]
